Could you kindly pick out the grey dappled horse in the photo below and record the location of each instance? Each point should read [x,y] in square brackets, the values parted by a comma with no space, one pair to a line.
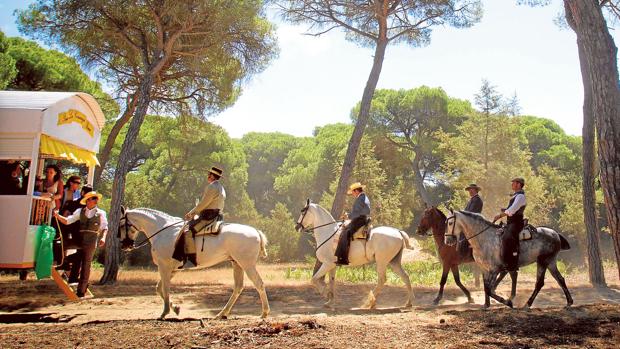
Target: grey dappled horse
[485,241]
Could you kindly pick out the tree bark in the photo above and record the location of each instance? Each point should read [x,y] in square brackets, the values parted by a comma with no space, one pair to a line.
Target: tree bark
[104,154]
[418,181]
[600,53]
[595,267]
[360,126]
[118,187]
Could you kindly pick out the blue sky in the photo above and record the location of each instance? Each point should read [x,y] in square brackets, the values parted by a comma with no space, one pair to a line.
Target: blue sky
[317,80]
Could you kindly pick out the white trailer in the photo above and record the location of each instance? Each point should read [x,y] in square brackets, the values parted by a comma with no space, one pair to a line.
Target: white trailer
[35,126]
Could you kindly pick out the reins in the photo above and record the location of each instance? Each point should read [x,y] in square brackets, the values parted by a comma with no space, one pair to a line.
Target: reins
[148,238]
[467,238]
[322,225]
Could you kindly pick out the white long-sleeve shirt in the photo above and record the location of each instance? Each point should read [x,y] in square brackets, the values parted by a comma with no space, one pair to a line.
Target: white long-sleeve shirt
[103,220]
[519,201]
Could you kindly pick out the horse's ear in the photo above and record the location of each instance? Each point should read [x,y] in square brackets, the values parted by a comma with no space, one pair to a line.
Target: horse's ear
[451,211]
[122,210]
[307,202]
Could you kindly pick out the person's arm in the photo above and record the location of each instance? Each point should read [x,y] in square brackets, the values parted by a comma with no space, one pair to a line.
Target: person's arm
[209,195]
[516,205]
[103,226]
[60,190]
[70,219]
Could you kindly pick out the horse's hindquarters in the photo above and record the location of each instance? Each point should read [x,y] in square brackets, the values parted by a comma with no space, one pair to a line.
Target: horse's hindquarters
[358,254]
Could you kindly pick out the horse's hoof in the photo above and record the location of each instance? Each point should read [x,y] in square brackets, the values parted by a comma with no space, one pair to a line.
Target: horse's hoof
[176,309]
[509,304]
[470,300]
[221,316]
[526,307]
[264,315]
[408,304]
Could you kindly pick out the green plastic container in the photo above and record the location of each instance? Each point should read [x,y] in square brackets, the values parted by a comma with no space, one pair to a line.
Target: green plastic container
[45,254]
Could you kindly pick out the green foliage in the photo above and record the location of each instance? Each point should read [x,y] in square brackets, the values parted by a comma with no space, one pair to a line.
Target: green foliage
[281,234]
[8,71]
[39,69]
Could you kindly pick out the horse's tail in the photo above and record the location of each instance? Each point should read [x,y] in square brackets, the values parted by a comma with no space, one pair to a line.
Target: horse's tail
[263,243]
[564,245]
[406,239]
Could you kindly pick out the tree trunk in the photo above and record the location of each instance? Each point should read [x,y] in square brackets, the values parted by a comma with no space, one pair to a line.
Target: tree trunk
[418,181]
[118,187]
[104,154]
[600,53]
[595,267]
[358,131]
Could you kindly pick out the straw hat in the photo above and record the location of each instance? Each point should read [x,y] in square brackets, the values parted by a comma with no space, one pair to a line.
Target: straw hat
[473,186]
[216,171]
[356,185]
[90,195]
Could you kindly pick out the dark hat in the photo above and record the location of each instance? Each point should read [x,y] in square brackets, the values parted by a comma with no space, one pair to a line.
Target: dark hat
[473,186]
[519,180]
[216,171]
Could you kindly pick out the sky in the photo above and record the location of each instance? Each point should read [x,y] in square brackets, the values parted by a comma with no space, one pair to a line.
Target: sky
[317,80]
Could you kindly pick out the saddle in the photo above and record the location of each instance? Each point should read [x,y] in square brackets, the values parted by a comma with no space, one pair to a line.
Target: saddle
[526,234]
[364,232]
[210,227]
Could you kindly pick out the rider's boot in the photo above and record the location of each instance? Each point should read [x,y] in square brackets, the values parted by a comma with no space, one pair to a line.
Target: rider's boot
[190,247]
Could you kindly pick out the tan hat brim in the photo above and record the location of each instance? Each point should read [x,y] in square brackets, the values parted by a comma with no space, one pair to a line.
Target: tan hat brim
[86,197]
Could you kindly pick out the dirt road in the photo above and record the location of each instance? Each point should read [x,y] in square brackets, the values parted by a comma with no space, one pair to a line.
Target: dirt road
[34,315]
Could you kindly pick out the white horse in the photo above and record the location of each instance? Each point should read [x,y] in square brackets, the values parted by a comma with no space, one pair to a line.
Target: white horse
[240,244]
[384,246]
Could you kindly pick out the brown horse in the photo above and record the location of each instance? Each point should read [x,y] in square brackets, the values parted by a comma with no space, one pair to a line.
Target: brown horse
[433,219]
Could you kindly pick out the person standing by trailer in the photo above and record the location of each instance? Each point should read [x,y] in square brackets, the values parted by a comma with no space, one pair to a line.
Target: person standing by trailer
[93,230]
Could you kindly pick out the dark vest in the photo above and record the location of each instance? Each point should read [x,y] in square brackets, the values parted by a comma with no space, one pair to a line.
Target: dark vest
[518,216]
[89,227]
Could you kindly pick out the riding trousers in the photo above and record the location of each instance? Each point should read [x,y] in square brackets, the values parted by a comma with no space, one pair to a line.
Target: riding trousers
[342,251]
[510,242]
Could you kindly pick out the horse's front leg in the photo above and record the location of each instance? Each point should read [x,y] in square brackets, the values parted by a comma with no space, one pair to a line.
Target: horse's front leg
[486,280]
[331,295]
[318,278]
[492,294]
[514,275]
[457,281]
[163,288]
[442,283]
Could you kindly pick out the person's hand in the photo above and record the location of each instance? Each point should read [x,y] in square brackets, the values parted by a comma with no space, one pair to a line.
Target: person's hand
[188,216]
[101,242]
[56,214]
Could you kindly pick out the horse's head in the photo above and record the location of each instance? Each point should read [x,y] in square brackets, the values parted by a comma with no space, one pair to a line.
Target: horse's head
[127,231]
[452,229]
[304,218]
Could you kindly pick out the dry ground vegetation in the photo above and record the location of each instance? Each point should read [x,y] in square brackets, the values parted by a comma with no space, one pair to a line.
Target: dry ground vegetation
[33,314]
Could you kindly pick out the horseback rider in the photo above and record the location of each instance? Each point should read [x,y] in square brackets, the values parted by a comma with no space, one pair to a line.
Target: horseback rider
[358,216]
[475,202]
[514,224]
[473,205]
[208,209]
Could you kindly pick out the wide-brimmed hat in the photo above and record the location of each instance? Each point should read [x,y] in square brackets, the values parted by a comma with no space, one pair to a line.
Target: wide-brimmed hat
[356,185]
[216,171]
[90,195]
[473,186]
[519,180]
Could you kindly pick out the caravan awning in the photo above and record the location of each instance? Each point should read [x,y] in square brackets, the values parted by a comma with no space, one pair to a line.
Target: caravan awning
[57,148]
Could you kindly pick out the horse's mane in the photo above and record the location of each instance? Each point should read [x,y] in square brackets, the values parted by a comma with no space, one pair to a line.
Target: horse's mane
[478,217]
[327,213]
[155,213]
[440,212]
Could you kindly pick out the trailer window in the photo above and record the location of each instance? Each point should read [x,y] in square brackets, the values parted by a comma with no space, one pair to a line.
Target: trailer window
[14,177]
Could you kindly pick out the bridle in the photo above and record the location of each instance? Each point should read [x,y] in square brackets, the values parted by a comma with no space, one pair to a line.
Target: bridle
[452,235]
[129,241]
[300,227]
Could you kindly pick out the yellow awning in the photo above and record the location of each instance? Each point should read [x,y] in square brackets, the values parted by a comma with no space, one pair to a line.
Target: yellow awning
[57,148]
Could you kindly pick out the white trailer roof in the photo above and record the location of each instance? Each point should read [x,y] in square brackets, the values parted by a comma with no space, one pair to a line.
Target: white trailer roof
[71,117]
[39,100]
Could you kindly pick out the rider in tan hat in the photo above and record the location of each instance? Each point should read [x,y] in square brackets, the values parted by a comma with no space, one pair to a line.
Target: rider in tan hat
[358,216]
[475,202]
[208,209]
[93,230]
